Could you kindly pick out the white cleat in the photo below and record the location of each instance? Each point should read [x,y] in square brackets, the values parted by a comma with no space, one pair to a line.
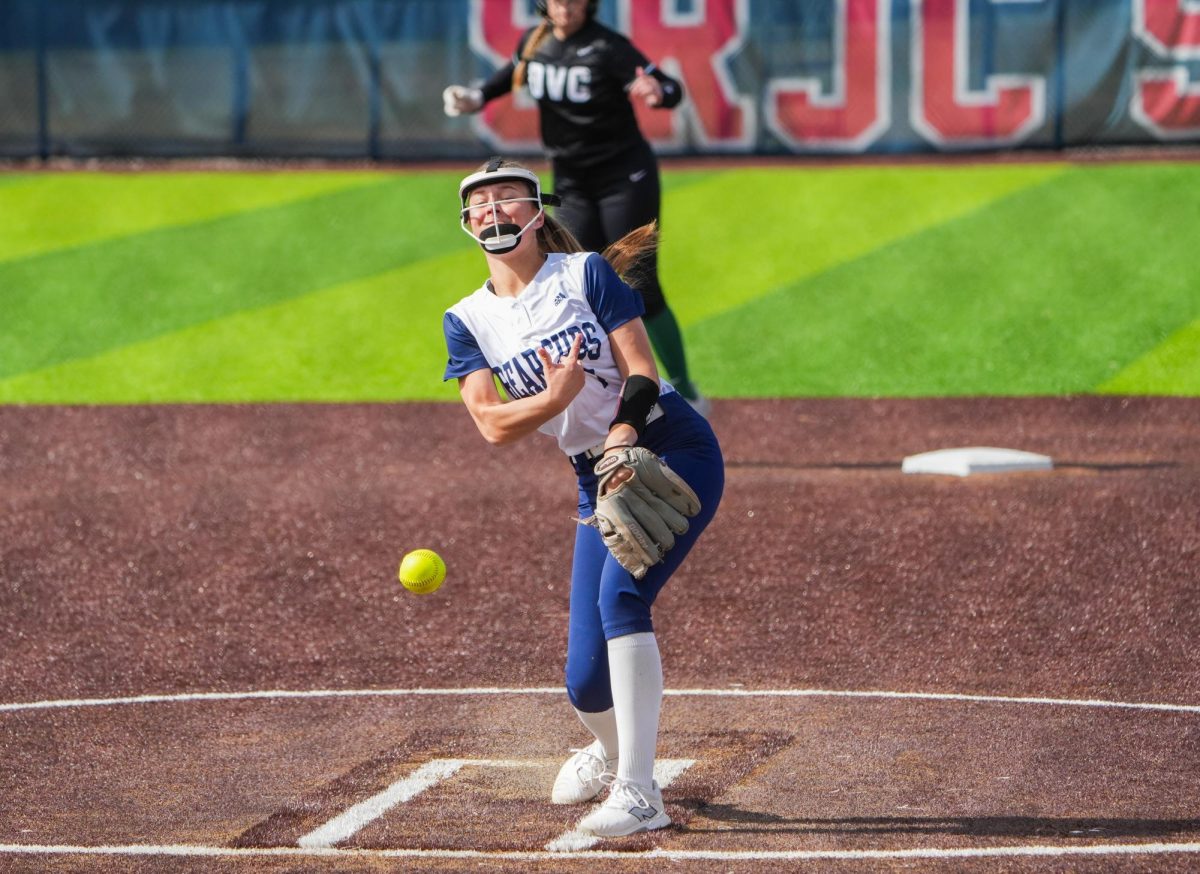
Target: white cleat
[629,809]
[582,777]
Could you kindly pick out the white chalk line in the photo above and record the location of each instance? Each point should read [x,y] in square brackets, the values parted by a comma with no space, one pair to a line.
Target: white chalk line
[357,817]
[188,850]
[352,820]
[282,694]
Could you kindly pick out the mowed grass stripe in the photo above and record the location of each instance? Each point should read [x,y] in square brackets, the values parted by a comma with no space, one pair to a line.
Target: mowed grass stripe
[1171,368]
[990,279]
[732,237]
[43,213]
[87,300]
[373,339]
[1052,290]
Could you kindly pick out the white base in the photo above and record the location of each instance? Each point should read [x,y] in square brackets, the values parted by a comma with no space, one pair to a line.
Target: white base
[975,459]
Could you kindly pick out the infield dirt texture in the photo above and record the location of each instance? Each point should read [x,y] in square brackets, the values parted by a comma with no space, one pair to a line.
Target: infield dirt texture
[169,550]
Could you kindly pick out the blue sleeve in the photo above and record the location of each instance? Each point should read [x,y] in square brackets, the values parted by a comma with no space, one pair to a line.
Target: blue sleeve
[613,302]
[465,354]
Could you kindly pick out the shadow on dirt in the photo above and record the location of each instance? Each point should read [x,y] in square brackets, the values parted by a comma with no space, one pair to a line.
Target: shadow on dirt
[974,826]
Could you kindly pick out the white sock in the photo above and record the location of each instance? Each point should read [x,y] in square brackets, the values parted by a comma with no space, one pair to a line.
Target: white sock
[635,670]
[604,726]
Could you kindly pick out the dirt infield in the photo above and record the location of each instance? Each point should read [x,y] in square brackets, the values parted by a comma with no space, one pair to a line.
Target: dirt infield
[861,662]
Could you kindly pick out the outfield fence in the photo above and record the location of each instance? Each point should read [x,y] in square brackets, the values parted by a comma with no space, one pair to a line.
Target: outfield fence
[363,78]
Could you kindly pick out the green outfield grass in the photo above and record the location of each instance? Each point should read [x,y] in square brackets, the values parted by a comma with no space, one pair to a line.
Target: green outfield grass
[1004,279]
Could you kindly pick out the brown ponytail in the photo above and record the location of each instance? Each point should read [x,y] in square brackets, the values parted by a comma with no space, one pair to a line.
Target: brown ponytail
[553,236]
[629,255]
[531,46]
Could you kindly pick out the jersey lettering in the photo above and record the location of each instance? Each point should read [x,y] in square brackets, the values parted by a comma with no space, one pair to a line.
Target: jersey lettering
[557,344]
[944,108]
[591,340]
[857,109]
[535,80]
[557,83]
[523,374]
[1166,103]
[579,80]
[505,374]
[599,378]
[532,382]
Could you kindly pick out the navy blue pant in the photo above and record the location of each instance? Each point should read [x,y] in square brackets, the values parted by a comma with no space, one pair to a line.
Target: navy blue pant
[606,600]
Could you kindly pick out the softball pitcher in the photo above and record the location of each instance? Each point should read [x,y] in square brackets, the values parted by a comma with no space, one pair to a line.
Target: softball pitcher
[585,78]
[562,333]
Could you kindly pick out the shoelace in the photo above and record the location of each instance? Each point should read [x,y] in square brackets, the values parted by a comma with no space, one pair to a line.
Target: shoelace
[622,793]
[593,767]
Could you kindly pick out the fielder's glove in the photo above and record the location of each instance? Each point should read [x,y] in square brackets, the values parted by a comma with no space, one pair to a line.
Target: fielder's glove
[640,517]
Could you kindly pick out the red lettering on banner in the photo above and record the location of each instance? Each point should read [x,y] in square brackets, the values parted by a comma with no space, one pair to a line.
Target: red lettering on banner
[1165,104]
[1170,27]
[944,109]
[858,111]
[694,47]
[495,28]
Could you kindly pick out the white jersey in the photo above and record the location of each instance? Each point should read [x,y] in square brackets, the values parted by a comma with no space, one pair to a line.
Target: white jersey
[576,293]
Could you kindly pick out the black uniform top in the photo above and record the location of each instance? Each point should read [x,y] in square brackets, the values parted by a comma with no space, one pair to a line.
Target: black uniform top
[579,84]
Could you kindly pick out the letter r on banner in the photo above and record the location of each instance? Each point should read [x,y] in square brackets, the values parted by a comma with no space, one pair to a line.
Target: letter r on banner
[695,46]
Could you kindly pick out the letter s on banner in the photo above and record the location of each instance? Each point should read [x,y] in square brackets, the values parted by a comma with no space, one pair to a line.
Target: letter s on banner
[1164,103]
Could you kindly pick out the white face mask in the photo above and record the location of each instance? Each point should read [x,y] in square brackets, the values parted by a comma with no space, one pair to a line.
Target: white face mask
[499,237]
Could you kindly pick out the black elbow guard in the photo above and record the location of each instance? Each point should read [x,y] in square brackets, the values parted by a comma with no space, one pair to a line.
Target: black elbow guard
[638,397]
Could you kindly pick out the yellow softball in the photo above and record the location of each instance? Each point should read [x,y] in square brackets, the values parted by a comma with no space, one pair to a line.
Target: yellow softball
[422,571]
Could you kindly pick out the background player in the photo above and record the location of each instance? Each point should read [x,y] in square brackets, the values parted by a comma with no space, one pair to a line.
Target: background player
[584,77]
[563,334]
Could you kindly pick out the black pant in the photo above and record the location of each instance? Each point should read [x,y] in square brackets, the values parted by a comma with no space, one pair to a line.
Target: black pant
[602,204]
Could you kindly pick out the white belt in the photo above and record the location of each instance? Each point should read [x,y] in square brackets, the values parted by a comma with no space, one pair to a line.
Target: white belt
[656,412]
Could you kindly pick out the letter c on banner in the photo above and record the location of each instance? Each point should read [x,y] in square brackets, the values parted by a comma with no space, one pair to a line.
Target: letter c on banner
[944,109]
